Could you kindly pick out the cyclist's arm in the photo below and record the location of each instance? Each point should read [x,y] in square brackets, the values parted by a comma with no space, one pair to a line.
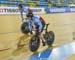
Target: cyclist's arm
[40,25]
[30,25]
[21,13]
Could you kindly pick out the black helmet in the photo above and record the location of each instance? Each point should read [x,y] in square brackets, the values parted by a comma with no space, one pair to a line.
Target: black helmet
[20,5]
[29,15]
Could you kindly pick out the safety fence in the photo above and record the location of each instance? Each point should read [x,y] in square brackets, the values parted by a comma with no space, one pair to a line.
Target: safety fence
[37,10]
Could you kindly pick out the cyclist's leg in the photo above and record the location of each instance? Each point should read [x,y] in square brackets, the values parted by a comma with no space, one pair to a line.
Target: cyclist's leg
[43,24]
[41,36]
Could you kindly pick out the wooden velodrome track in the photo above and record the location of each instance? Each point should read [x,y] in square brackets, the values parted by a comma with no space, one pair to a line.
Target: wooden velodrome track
[10,34]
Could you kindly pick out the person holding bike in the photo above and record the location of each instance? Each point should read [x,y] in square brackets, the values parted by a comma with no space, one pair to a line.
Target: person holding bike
[24,10]
[37,24]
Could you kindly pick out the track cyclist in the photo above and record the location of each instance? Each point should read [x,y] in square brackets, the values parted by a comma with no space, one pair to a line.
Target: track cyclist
[37,24]
[24,10]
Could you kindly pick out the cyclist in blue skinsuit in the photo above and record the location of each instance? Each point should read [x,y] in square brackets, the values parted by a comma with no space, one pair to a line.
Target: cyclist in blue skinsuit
[39,24]
[24,10]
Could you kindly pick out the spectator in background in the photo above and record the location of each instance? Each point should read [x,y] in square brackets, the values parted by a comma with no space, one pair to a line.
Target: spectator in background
[47,0]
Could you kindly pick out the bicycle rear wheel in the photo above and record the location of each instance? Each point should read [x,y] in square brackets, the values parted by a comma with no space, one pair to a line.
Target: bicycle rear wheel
[25,28]
[49,37]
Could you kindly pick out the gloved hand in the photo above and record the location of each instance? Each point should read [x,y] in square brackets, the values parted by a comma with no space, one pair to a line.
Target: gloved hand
[31,32]
[22,20]
[39,33]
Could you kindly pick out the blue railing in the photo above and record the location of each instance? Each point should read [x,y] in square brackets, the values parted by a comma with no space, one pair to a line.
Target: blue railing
[41,3]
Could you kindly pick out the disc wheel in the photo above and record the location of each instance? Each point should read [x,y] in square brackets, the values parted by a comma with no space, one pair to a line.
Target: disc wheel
[25,28]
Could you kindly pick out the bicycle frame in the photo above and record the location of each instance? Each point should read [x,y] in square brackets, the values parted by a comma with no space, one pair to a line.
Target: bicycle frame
[46,29]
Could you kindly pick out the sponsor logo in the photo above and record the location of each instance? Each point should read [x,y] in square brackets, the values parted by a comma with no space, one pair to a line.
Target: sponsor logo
[14,10]
[59,10]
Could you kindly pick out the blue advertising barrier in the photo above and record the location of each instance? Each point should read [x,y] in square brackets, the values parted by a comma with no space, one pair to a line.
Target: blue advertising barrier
[59,10]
